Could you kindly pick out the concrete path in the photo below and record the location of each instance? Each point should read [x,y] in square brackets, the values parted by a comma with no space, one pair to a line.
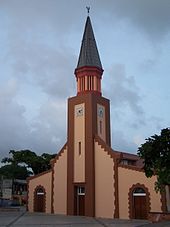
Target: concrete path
[25,219]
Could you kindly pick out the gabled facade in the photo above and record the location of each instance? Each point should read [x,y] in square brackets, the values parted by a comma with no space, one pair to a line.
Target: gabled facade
[87,176]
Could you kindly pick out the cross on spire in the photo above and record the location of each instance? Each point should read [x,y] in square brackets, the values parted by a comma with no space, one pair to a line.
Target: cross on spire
[88,9]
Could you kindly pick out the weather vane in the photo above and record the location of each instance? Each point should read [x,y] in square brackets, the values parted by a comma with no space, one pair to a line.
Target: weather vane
[88,9]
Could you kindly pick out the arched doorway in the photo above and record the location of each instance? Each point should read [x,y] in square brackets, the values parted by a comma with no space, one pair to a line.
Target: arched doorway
[139,202]
[39,199]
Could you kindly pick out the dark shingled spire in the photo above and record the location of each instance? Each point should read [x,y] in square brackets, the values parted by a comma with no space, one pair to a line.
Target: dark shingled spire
[89,55]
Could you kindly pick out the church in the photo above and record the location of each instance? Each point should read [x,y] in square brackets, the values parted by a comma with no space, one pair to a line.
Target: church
[88,177]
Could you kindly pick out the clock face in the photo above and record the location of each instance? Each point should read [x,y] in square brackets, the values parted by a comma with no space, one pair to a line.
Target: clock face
[100,111]
[79,111]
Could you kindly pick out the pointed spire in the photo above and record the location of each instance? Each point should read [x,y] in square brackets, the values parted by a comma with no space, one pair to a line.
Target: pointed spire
[89,55]
[89,68]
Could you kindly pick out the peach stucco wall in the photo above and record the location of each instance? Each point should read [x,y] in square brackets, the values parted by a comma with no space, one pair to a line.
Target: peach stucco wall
[79,137]
[102,119]
[45,181]
[127,178]
[104,182]
[60,184]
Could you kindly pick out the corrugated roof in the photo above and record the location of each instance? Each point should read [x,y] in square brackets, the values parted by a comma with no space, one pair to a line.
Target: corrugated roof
[89,55]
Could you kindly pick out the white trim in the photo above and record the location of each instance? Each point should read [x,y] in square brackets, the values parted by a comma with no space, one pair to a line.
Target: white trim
[139,194]
[40,193]
[81,193]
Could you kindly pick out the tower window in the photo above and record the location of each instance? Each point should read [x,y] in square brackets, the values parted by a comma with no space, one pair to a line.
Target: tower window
[92,82]
[79,148]
[83,83]
[100,127]
[80,190]
[88,83]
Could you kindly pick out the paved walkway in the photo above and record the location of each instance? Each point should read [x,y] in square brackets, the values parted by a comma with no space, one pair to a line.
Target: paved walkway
[25,219]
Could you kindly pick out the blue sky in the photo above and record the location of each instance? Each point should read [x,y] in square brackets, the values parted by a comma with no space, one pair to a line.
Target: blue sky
[40,43]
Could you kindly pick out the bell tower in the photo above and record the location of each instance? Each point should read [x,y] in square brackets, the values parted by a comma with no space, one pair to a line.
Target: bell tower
[88,115]
[89,68]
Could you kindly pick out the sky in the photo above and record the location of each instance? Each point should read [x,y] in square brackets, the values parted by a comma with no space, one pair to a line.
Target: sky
[39,48]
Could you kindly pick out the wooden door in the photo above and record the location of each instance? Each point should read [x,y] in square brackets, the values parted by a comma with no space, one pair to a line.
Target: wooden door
[140,209]
[79,203]
[39,200]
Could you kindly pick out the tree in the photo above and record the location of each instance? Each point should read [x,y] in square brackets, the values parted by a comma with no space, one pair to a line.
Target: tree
[29,159]
[14,172]
[156,155]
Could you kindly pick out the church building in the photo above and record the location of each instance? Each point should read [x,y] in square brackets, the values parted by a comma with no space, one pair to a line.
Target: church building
[88,177]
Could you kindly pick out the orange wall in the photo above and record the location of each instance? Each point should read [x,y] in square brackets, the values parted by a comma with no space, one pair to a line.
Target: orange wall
[128,177]
[45,181]
[79,136]
[60,184]
[104,190]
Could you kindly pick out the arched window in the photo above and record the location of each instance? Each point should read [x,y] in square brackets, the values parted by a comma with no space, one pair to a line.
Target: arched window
[139,192]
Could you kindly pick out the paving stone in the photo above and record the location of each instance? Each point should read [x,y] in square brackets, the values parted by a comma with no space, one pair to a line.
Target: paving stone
[26,219]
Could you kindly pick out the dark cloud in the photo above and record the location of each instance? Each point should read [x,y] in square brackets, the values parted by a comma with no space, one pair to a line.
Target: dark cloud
[46,67]
[151,17]
[123,91]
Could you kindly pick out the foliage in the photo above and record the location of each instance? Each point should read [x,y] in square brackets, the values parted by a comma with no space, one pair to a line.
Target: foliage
[14,172]
[29,159]
[156,154]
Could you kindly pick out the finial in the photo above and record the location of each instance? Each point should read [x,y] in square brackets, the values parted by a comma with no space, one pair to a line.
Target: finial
[88,10]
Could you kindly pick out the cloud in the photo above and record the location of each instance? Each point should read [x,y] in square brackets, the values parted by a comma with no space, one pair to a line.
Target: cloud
[46,67]
[48,131]
[31,14]
[13,130]
[151,17]
[138,140]
[119,140]
[45,133]
[39,45]
[38,59]
[122,90]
